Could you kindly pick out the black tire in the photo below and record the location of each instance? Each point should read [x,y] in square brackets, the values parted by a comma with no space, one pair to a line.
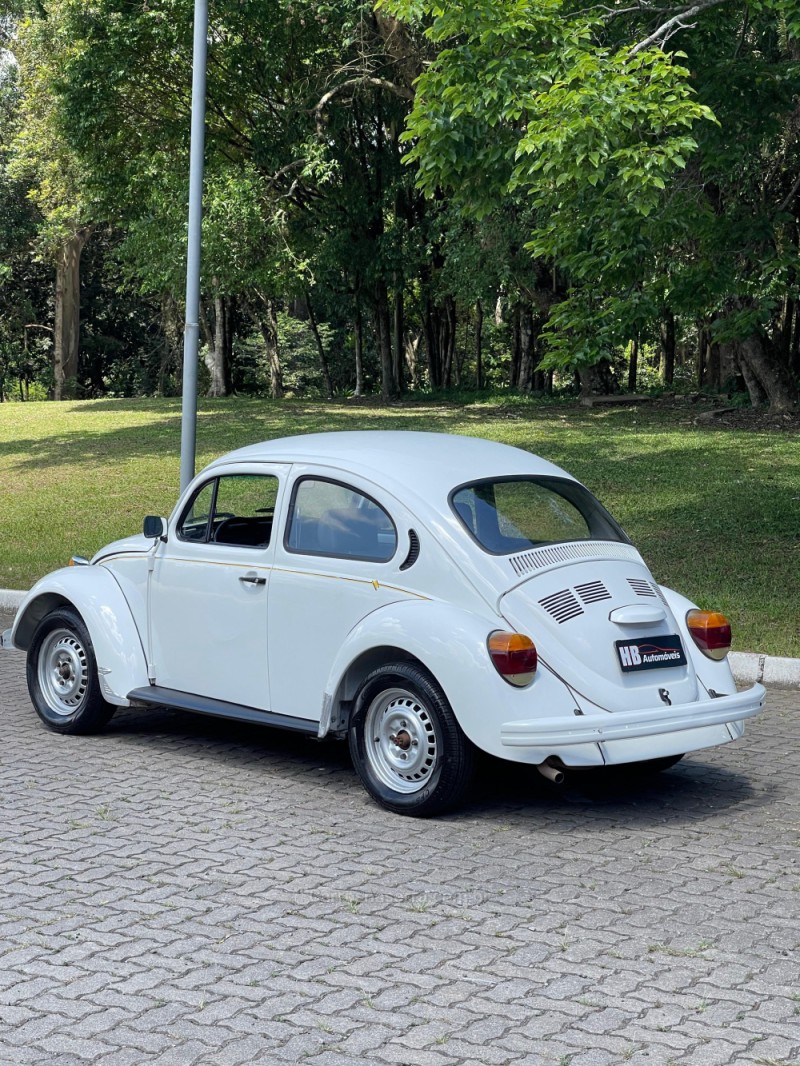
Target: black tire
[62,675]
[406,745]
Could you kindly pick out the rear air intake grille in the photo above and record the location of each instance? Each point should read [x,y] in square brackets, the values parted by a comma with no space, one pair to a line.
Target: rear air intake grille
[593,591]
[413,550]
[642,587]
[562,605]
[557,554]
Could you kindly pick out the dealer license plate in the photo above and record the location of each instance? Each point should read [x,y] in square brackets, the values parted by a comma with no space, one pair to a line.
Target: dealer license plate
[655,653]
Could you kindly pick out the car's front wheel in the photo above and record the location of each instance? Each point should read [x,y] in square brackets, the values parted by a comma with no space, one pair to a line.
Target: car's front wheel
[62,675]
[406,745]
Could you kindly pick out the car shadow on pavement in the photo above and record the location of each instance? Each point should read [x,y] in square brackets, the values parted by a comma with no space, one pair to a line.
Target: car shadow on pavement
[693,791]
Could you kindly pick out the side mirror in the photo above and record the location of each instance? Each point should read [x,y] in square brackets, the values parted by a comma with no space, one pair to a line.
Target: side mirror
[155,527]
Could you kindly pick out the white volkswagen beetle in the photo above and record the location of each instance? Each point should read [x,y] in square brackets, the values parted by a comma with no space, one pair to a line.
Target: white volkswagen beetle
[421,594]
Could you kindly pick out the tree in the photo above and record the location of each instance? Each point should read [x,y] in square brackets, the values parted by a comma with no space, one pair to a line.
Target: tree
[606,134]
[44,159]
[24,282]
[304,116]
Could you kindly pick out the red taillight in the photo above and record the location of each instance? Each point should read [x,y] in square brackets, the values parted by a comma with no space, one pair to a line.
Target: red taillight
[514,657]
[711,632]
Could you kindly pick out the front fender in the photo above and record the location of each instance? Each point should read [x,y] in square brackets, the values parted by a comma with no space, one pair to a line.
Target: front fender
[95,595]
[451,644]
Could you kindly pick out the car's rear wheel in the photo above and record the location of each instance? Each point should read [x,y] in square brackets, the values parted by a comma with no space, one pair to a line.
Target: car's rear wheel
[407,747]
[62,675]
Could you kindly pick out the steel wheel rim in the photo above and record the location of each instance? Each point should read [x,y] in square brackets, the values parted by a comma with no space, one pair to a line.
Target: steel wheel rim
[401,743]
[63,671]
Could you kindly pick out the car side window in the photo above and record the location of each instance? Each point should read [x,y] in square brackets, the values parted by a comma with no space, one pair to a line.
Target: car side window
[235,509]
[329,518]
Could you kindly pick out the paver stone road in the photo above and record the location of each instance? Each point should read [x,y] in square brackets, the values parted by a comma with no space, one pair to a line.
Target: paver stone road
[180,890]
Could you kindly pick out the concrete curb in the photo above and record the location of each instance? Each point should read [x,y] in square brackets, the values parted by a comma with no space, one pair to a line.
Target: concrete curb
[747,666]
[766,669]
[10,600]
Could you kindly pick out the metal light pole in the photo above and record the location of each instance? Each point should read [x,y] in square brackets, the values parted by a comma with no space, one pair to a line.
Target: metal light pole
[191,333]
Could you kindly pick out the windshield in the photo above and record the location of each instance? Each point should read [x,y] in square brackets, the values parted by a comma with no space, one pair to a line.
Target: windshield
[510,515]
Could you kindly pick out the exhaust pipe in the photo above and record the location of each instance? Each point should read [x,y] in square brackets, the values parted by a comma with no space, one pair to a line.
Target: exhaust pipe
[551,773]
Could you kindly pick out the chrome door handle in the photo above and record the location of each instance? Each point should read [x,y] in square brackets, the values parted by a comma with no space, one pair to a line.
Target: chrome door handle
[252,578]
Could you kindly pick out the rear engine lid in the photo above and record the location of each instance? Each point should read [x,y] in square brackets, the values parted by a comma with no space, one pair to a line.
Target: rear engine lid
[604,627]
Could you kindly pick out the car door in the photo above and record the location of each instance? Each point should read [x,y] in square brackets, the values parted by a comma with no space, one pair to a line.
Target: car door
[331,569]
[208,590]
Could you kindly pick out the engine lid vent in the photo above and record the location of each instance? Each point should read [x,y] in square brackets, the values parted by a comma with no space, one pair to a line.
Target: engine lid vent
[557,554]
[593,592]
[642,587]
[562,605]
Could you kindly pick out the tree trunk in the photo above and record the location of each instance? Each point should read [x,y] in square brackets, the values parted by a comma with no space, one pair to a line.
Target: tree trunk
[756,393]
[216,357]
[323,358]
[268,324]
[754,354]
[729,367]
[714,366]
[398,324]
[383,329]
[215,350]
[598,379]
[526,359]
[432,346]
[516,347]
[633,365]
[668,346]
[702,344]
[479,345]
[448,340]
[359,351]
[784,329]
[411,350]
[229,319]
[66,335]
[172,332]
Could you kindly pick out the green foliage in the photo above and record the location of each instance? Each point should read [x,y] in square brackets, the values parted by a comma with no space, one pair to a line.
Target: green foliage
[567,168]
[642,170]
[24,349]
[524,97]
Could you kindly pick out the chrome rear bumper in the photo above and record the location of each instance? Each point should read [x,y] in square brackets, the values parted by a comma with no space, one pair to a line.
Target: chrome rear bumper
[622,725]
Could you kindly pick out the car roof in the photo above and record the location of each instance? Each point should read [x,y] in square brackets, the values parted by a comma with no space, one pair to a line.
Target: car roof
[421,461]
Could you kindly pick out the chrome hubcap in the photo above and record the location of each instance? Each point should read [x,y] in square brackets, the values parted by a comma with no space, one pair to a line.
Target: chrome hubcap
[63,671]
[401,743]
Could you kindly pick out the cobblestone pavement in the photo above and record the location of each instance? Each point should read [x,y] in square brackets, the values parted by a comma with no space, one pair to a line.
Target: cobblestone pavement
[180,891]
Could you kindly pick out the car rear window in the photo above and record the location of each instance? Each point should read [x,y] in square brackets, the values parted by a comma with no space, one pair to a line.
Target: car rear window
[509,515]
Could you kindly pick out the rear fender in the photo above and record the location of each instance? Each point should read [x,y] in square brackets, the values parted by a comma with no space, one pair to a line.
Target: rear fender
[95,595]
[450,644]
[710,673]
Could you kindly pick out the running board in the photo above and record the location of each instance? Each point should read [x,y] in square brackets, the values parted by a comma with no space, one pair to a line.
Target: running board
[185,701]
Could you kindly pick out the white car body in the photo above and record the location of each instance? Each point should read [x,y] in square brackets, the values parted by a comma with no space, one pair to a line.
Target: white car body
[287,636]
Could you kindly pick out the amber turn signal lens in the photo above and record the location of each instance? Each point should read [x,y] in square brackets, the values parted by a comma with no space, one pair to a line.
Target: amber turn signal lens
[514,657]
[711,632]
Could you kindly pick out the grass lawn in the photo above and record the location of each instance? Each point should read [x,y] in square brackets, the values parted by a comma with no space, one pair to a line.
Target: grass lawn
[714,510]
